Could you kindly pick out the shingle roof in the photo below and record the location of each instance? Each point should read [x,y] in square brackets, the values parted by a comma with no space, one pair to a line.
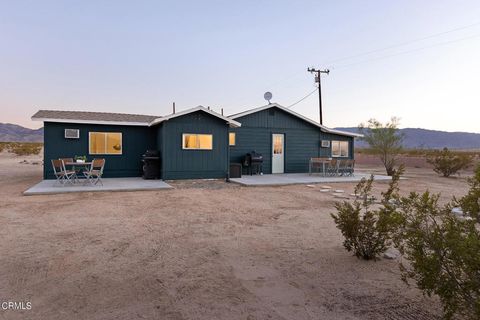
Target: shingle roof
[87,116]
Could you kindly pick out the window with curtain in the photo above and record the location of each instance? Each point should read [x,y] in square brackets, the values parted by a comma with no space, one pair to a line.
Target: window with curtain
[196,141]
[105,143]
[340,148]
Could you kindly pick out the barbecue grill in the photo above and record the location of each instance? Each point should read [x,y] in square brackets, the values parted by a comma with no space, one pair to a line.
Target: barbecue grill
[253,161]
[151,164]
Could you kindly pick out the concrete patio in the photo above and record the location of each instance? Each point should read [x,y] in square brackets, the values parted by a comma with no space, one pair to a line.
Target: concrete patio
[109,184]
[299,178]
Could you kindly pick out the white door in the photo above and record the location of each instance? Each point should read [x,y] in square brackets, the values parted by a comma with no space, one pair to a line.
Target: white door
[278,153]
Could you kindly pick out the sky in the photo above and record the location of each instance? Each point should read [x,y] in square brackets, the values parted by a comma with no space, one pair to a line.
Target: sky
[416,60]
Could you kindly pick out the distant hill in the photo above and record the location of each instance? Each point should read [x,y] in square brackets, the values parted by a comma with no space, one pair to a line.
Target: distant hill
[416,138]
[15,133]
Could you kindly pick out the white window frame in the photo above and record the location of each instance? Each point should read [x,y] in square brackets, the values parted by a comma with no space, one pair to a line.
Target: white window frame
[195,134]
[339,142]
[105,133]
[234,139]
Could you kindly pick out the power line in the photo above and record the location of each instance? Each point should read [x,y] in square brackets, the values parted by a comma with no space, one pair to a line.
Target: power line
[308,95]
[401,44]
[407,51]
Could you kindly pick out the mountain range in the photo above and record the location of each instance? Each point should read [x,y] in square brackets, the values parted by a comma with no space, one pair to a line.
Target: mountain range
[414,138]
[15,133]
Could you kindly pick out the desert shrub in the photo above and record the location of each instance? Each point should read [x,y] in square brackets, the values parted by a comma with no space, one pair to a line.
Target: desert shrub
[447,163]
[470,203]
[443,254]
[384,140]
[368,231]
[3,146]
[25,148]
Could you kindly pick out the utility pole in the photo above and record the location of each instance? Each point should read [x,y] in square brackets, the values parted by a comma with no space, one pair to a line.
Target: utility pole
[317,80]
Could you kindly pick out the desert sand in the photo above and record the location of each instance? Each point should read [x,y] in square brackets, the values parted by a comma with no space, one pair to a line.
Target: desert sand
[204,250]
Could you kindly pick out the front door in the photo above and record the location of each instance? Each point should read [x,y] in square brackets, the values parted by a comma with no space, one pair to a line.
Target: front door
[278,153]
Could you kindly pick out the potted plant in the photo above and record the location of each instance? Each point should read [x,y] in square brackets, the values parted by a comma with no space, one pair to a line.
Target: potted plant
[80,159]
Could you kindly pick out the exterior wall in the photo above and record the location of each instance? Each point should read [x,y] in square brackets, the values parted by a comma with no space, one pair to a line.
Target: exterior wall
[302,140]
[135,141]
[178,163]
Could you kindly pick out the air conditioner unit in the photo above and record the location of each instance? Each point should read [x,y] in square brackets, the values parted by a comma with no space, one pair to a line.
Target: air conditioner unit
[325,143]
[72,133]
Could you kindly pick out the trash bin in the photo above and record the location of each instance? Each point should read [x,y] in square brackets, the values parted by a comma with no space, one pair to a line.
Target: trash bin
[151,164]
[235,170]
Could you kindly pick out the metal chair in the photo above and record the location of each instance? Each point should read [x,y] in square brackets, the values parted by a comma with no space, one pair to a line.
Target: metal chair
[349,168]
[332,167]
[69,160]
[94,174]
[61,174]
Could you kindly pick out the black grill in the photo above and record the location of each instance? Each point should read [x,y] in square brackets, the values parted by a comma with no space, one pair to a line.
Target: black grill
[253,161]
[151,164]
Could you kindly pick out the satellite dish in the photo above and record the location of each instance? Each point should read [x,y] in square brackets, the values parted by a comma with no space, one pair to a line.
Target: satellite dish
[267,96]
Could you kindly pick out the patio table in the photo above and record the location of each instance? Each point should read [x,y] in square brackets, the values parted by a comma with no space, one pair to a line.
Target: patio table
[322,161]
[83,165]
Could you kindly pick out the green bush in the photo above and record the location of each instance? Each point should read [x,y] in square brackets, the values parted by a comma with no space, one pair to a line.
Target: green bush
[443,254]
[447,163]
[470,203]
[367,231]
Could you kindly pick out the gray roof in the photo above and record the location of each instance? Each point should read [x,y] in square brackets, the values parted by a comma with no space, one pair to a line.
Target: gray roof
[92,116]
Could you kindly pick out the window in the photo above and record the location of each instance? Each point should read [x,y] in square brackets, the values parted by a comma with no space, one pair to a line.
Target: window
[197,141]
[231,138]
[340,148]
[105,142]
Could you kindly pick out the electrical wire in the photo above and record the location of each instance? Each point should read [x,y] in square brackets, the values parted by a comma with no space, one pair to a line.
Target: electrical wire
[308,95]
[406,52]
[403,43]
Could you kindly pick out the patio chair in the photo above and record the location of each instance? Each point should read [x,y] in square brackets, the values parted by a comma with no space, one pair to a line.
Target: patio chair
[94,174]
[69,160]
[332,168]
[61,174]
[349,168]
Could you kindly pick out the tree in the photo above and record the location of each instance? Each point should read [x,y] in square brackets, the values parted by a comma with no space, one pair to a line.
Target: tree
[384,140]
[447,163]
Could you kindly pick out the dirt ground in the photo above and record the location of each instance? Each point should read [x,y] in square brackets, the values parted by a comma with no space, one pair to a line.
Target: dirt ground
[204,250]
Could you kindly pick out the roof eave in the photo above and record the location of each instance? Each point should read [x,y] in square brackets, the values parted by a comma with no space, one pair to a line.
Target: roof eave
[76,121]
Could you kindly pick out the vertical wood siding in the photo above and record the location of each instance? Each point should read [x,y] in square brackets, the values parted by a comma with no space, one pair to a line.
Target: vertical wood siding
[302,139]
[189,164]
[135,141]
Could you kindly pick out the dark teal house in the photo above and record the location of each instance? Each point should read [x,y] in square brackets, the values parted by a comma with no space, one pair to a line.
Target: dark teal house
[195,143]
[286,139]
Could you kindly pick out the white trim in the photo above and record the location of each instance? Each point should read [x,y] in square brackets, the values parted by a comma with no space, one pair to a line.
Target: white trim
[119,123]
[322,127]
[196,134]
[230,121]
[104,153]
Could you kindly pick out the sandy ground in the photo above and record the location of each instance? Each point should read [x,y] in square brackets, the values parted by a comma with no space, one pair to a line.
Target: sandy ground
[204,250]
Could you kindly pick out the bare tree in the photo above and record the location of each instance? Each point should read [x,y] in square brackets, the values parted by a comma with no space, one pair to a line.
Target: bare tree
[384,140]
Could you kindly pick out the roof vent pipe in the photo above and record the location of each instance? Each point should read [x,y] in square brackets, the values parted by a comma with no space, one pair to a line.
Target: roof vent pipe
[173,107]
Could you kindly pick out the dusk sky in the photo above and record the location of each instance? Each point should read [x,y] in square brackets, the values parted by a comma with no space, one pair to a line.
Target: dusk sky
[140,56]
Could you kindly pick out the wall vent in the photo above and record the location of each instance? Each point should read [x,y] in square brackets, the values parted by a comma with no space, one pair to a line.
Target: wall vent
[72,133]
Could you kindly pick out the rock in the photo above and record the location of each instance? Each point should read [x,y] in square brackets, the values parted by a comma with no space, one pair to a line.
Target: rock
[324,190]
[391,254]
[457,211]
[353,195]
[325,187]
[339,191]
[310,186]
[338,196]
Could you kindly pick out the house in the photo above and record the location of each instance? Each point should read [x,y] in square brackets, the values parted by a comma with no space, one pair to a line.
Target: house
[286,139]
[195,143]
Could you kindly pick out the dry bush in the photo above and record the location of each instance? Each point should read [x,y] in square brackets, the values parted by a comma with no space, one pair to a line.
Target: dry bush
[24,148]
